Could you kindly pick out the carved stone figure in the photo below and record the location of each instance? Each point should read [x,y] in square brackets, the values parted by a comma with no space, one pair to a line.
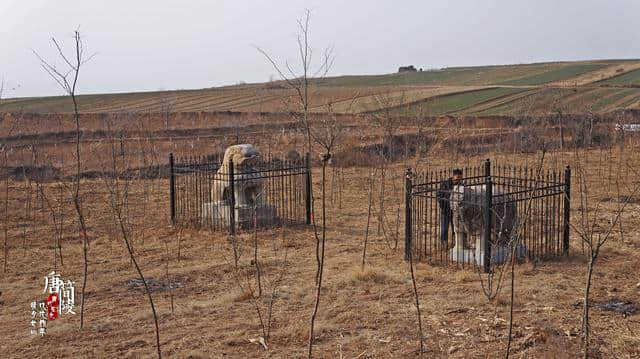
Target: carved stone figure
[249,192]
[468,207]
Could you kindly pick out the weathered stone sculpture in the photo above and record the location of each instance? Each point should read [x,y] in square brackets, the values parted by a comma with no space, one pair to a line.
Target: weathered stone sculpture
[251,207]
[468,207]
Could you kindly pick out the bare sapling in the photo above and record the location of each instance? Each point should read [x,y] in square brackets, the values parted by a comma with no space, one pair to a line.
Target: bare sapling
[6,213]
[242,279]
[256,263]
[388,122]
[326,133]
[514,242]
[166,273]
[595,227]
[57,224]
[414,286]
[560,111]
[68,80]
[301,83]
[5,149]
[277,282]
[118,188]
[372,174]
[6,198]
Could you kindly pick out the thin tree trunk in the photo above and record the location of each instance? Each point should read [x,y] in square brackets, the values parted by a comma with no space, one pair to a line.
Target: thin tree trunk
[513,263]
[255,251]
[415,294]
[319,286]
[366,233]
[146,287]
[6,216]
[585,312]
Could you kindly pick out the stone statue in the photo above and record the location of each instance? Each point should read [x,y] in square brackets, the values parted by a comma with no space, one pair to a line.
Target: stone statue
[468,207]
[249,192]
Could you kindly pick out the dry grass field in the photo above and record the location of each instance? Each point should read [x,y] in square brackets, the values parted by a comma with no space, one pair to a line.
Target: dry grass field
[366,313]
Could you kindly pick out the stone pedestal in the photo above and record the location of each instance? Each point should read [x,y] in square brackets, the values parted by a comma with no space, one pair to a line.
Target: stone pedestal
[499,254]
[220,212]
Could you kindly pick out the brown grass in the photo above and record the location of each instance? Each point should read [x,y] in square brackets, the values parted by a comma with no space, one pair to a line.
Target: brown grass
[368,314]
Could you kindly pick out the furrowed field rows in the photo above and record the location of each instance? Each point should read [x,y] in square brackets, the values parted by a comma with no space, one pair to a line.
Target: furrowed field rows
[583,101]
[486,75]
[363,93]
[400,101]
[500,101]
[145,103]
[539,100]
[44,105]
[257,102]
[224,104]
[347,105]
[631,101]
[629,78]
[120,102]
[614,70]
[556,74]
[486,97]
[451,103]
[179,103]
[237,102]
[203,103]
[116,102]
[612,101]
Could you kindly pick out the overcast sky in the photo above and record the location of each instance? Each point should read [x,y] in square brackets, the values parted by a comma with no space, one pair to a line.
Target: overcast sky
[155,44]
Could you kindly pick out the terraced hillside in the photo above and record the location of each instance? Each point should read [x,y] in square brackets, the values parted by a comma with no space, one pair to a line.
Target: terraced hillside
[596,86]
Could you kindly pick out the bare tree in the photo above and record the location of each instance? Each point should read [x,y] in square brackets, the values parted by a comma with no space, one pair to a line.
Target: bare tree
[387,117]
[300,81]
[281,264]
[68,80]
[515,240]
[166,108]
[6,212]
[118,188]
[6,196]
[326,133]
[371,183]
[595,229]
[409,175]
[560,111]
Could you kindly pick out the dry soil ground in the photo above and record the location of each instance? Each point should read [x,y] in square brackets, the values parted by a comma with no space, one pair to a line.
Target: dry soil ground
[362,314]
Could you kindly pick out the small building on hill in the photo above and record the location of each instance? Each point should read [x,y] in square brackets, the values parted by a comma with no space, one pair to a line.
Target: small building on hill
[409,68]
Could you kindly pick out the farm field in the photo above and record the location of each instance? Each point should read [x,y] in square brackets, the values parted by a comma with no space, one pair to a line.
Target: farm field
[629,78]
[366,313]
[458,102]
[563,73]
[366,93]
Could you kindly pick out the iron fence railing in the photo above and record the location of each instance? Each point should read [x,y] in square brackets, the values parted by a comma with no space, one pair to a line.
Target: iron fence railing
[204,193]
[498,212]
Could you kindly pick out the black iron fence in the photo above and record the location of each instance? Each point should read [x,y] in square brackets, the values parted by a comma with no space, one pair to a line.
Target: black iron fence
[204,192]
[492,214]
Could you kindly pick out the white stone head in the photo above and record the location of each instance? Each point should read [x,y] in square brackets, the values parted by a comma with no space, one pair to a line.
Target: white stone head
[243,156]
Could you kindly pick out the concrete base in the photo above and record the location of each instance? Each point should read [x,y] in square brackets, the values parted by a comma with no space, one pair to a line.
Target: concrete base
[244,215]
[499,254]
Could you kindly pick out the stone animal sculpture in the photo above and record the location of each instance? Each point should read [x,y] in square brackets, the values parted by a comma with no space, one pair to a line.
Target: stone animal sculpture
[248,187]
[250,207]
[468,207]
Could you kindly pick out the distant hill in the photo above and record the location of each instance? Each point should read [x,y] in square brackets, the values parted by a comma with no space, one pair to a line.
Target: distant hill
[598,86]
